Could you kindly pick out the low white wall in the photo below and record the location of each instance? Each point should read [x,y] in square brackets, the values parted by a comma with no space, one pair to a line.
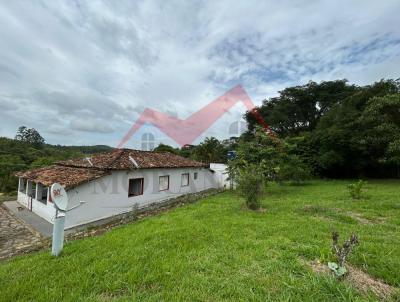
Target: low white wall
[108,196]
[46,211]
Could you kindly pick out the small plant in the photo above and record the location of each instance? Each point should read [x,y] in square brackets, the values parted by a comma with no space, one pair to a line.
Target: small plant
[355,189]
[341,252]
[250,185]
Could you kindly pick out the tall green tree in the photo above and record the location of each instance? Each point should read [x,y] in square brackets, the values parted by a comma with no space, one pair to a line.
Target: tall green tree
[349,143]
[300,108]
[30,136]
[273,157]
[381,121]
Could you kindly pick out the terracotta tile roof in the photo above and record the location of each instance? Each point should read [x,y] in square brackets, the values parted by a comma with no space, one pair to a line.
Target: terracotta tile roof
[73,172]
[68,177]
[121,159]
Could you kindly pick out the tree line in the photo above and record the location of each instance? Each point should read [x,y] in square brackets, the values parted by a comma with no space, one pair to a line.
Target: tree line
[28,150]
[328,129]
[337,129]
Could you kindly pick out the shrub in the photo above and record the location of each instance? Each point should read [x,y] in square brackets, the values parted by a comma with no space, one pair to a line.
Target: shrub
[250,185]
[293,169]
[8,183]
[355,190]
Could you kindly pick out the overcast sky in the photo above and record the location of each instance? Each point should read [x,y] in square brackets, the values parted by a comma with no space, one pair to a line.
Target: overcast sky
[81,72]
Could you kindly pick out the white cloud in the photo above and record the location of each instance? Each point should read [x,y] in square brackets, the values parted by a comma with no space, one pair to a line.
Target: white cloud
[102,62]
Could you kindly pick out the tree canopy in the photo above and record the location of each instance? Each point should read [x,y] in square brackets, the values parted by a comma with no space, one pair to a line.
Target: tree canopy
[339,130]
[29,135]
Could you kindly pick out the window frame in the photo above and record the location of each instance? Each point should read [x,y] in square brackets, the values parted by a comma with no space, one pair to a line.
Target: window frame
[188,179]
[141,188]
[159,177]
[195,175]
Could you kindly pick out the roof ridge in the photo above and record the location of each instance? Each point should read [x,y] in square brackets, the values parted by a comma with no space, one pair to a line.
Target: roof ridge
[121,151]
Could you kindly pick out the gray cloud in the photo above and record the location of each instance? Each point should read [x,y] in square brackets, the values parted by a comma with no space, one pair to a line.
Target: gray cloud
[6,105]
[59,130]
[91,125]
[91,67]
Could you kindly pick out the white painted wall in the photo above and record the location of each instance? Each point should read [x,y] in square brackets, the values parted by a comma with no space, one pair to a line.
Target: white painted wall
[220,175]
[108,196]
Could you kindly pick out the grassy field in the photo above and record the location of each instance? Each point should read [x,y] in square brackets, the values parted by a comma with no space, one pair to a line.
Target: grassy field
[216,250]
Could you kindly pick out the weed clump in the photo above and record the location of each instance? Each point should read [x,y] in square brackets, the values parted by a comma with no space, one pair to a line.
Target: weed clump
[341,253]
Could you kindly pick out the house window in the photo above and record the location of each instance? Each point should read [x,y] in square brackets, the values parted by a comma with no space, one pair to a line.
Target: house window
[44,195]
[135,187]
[195,175]
[163,183]
[185,179]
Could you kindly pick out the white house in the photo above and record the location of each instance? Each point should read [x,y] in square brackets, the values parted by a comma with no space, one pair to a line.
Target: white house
[112,183]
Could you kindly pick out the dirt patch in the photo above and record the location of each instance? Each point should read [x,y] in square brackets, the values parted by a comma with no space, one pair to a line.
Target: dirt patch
[361,280]
[318,267]
[361,219]
[365,282]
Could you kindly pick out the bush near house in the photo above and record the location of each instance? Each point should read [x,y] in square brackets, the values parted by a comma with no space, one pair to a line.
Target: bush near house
[250,185]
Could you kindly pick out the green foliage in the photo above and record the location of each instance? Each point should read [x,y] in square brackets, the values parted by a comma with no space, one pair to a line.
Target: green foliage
[339,271]
[250,185]
[351,141]
[260,150]
[8,183]
[211,150]
[8,197]
[30,136]
[293,169]
[272,157]
[22,154]
[355,189]
[381,119]
[166,148]
[299,108]
[339,130]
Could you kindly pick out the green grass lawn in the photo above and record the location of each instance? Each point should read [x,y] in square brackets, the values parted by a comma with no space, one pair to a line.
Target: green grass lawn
[216,250]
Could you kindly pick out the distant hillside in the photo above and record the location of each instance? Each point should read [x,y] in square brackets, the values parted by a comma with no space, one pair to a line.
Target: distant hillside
[16,155]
